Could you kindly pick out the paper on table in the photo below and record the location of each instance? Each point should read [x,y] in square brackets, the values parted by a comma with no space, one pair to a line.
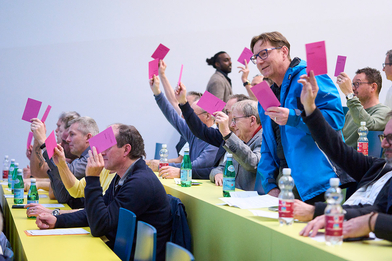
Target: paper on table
[266,214]
[153,68]
[46,113]
[25,196]
[4,183]
[50,143]
[103,140]
[264,201]
[265,95]
[245,55]
[179,80]
[53,205]
[62,231]
[160,52]
[29,139]
[210,103]
[316,58]
[243,194]
[340,63]
[31,109]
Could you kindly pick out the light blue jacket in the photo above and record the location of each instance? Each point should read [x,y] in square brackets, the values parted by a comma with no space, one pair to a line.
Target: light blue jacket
[310,168]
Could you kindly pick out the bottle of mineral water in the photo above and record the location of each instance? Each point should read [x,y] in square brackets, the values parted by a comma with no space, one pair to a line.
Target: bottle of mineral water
[163,157]
[14,176]
[286,198]
[12,167]
[19,188]
[32,196]
[334,214]
[229,177]
[363,142]
[186,170]
[6,168]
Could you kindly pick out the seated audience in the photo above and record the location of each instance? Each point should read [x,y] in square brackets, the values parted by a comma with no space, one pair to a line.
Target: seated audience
[220,83]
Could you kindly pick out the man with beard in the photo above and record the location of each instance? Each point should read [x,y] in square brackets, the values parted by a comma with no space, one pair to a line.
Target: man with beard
[220,84]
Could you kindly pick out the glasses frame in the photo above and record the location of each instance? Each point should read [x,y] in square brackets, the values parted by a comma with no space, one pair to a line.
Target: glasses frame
[254,57]
[234,120]
[383,64]
[357,84]
[388,137]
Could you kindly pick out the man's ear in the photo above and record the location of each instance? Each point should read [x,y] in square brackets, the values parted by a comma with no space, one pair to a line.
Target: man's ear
[127,149]
[285,51]
[88,136]
[217,65]
[374,87]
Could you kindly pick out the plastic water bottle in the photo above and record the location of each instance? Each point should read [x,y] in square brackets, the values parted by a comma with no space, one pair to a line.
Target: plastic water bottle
[11,170]
[19,188]
[334,214]
[229,177]
[163,154]
[286,198]
[363,142]
[14,177]
[186,170]
[6,168]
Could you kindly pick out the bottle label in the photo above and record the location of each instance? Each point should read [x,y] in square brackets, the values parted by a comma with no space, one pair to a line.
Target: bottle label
[186,175]
[32,201]
[334,225]
[18,193]
[230,168]
[229,184]
[286,208]
[363,147]
[5,174]
[162,164]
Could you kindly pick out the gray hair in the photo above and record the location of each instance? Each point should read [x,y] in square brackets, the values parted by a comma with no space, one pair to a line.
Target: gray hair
[389,54]
[86,125]
[68,116]
[248,108]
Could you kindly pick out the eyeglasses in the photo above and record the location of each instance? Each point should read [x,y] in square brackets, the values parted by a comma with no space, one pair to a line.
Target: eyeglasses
[227,112]
[388,137]
[356,84]
[383,65]
[234,120]
[201,113]
[263,54]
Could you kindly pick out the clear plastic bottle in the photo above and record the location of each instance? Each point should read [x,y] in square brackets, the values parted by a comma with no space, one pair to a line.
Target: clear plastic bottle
[14,176]
[19,188]
[186,170]
[334,214]
[163,157]
[11,170]
[363,142]
[6,168]
[229,177]
[286,198]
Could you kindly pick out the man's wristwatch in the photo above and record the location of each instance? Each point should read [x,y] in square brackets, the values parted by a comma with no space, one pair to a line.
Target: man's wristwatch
[43,146]
[56,212]
[246,83]
[349,96]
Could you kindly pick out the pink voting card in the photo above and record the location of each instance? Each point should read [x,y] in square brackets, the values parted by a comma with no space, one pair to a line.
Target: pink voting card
[103,140]
[179,80]
[245,55]
[160,52]
[153,68]
[210,103]
[50,144]
[46,113]
[31,109]
[340,63]
[316,58]
[265,96]
[29,139]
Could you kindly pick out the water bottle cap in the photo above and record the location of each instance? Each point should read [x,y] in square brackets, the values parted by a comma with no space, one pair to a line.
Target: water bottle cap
[164,146]
[13,160]
[33,180]
[16,164]
[334,182]
[286,171]
[6,156]
[20,171]
[363,123]
[229,155]
[186,149]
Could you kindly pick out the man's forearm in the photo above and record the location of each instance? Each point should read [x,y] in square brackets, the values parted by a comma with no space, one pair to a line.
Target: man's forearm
[38,166]
[66,175]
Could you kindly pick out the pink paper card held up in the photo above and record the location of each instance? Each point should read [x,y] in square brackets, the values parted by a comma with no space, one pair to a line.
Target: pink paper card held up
[210,103]
[153,68]
[245,55]
[31,109]
[50,144]
[179,80]
[316,58]
[46,113]
[265,95]
[103,140]
[340,63]
[160,52]
[29,139]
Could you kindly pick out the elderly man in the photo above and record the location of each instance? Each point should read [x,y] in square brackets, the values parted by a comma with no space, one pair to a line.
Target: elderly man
[201,153]
[135,188]
[286,140]
[373,174]
[387,68]
[362,102]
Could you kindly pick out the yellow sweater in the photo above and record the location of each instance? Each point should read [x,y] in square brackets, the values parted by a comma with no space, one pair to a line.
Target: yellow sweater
[77,191]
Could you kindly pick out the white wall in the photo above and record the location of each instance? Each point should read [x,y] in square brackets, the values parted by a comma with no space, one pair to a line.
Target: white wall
[92,56]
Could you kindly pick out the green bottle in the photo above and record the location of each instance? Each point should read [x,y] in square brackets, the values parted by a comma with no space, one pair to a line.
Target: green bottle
[33,196]
[229,177]
[10,172]
[186,170]
[19,188]
[14,176]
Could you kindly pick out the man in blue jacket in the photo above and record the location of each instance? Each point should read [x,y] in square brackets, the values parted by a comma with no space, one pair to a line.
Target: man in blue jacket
[287,142]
